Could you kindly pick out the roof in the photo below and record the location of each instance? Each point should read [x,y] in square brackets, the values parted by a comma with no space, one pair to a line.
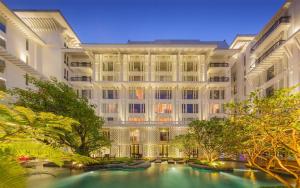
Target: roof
[241,40]
[41,18]
[220,44]
[7,13]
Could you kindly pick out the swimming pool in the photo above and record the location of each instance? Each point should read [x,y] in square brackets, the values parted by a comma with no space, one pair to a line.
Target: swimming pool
[165,176]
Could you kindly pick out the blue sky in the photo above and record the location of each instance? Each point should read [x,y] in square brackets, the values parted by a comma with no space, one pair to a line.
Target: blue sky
[116,21]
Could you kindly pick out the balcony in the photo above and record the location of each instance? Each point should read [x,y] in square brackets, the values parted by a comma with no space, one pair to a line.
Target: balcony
[219,79]
[218,65]
[282,21]
[83,67]
[269,51]
[81,79]
[270,56]
[146,123]
[81,64]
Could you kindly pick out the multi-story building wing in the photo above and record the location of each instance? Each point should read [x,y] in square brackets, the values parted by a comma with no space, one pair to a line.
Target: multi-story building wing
[148,91]
[271,59]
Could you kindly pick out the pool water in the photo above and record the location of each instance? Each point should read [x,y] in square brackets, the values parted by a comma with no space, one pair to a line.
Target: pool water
[166,176]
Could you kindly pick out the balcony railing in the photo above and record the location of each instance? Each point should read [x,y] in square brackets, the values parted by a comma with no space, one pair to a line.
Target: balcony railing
[284,19]
[81,64]
[219,79]
[269,51]
[81,79]
[219,65]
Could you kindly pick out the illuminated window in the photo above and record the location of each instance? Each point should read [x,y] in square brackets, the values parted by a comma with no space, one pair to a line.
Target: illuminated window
[137,93]
[136,119]
[135,135]
[216,108]
[136,108]
[164,135]
[109,108]
[164,119]
[163,108]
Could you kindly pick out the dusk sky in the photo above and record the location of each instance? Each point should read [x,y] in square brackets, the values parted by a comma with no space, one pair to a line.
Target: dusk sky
[116,21]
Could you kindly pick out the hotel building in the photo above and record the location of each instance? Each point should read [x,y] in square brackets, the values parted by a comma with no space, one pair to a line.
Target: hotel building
[148,91]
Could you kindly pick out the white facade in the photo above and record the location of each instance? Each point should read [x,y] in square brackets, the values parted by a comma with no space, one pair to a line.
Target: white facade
[148,92]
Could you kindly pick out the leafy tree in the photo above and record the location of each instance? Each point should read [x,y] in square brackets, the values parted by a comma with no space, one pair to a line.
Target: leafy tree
[185,143]
[21,130]
[213,137]
[270,132]
[59,98]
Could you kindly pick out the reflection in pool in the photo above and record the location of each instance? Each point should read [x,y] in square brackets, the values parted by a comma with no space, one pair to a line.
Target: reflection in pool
[165,176]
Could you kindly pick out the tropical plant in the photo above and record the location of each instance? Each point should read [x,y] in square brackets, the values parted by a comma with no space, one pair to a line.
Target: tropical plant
[185,143]
[22,133]
[213,137]
[61,99]
[270,132]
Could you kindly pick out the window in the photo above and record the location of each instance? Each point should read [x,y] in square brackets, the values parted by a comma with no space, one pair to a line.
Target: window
[65,74]
[106,134]
[86,93]
[26,79]
[163,94]
[233,76]
[269,91]
[190,94]
[163,108]
[2,24]
[217,94]
[164,135]
[190,108]
[136,93]
[2,66]
[135,136]
[110,94]
[270,73]
[110,119]
[136,108]
[108,66]
[136,66]
[164,119]
[163,64]
[190,66]
[2,84]
[109,108]
[27,44]
[216,108]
